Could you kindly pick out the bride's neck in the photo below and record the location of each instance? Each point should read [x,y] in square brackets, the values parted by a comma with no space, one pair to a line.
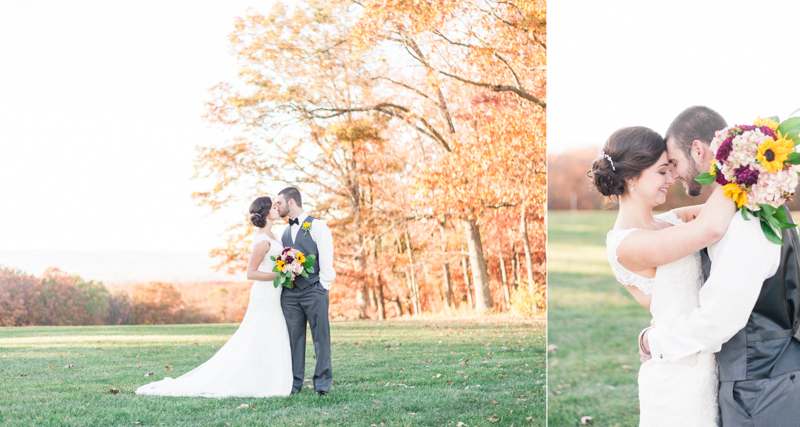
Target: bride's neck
[633,213]
[267,227]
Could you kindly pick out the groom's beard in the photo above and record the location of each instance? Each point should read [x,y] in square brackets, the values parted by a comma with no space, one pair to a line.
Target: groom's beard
[693,188]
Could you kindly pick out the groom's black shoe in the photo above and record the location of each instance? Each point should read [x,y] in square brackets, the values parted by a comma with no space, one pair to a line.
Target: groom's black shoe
[322,393]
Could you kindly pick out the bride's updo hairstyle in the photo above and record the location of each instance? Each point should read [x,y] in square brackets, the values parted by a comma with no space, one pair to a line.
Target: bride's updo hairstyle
[259,211]
[626,153]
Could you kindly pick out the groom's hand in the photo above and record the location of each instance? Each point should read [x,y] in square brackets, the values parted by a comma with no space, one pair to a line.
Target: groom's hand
[644,346]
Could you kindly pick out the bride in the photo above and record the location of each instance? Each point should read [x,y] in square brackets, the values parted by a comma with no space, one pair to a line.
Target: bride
[256,360]
[657,259]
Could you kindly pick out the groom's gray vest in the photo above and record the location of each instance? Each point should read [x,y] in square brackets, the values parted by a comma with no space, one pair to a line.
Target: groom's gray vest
[769,346]
[305,244]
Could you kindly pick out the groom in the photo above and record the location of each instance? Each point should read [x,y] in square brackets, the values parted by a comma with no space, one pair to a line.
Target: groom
[749,305]
[307,300]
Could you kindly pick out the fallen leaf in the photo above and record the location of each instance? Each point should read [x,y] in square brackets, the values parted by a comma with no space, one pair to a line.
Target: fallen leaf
[377,401]
[556,392]
[306,381]
[438,376]
[69,366]
[552,347]
[586,420]
[627,367]
[464,362]
[493,419]
[113,390]
[243,406]
[493,401]
[460,424]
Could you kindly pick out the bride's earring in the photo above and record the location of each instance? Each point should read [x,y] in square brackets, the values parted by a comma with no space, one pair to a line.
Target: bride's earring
[631,188]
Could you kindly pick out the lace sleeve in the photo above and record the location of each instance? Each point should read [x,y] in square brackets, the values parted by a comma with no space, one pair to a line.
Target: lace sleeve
[670,217]
[623,275]
[258,238]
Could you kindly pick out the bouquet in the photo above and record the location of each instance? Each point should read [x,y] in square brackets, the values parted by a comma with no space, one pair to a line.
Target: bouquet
[757,168]
[290,264]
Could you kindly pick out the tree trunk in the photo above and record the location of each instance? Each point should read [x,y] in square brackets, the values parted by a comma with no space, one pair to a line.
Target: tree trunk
[465,271]
[483,294]
[505,282]
[527,245]
[414,285]
[398,308]
[447,285]
[378,284]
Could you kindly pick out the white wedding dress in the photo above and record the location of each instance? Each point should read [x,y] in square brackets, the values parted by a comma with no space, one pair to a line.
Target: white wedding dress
[684,392]
[255,362]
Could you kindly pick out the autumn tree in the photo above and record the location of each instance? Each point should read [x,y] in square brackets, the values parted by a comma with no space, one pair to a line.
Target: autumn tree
[156,303]
[362,107]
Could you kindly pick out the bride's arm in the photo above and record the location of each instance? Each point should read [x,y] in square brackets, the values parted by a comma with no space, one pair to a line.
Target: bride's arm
[643,249]
[259,251]
[688,213]
[642,298]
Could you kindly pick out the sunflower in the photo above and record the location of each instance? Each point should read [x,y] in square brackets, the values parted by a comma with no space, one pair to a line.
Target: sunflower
[713,171]
[301,258]
[772,124]
[738,195]
[280,265]
[772,153]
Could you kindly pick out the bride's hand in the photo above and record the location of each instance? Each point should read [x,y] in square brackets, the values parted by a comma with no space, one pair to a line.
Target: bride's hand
[717,214]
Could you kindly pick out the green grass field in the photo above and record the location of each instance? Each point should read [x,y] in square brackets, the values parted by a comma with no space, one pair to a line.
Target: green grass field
[480,372]
[594,322]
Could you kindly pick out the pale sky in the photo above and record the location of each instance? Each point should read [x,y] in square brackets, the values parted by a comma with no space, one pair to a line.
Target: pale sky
[618,63]
[100,111]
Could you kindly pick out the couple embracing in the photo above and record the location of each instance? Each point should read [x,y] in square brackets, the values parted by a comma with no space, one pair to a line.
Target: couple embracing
[724,347]
[265,357]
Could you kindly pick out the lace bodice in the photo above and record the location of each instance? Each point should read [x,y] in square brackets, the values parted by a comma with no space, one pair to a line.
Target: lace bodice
[275,248]
[675,288]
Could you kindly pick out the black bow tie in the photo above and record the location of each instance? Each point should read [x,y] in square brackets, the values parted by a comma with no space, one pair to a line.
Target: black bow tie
[295,221]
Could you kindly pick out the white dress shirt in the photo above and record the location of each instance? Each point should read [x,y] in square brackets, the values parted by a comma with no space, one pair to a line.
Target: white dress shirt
[321,235]
[741,261]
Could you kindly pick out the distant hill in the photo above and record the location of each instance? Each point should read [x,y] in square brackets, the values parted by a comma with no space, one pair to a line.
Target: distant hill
[120,266]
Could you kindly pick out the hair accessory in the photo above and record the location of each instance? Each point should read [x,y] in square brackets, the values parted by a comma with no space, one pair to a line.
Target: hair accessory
[255,214]
[603,154]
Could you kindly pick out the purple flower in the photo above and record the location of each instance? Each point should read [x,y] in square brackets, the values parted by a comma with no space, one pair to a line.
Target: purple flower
[766,130]
[286,250]
[725,149]
[289,260]
[746,176]
[720,179]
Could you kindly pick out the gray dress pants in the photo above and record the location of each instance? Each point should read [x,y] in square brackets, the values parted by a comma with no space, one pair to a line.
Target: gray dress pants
[308,305]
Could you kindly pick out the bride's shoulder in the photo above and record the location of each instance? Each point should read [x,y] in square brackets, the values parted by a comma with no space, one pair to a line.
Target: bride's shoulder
[260,238]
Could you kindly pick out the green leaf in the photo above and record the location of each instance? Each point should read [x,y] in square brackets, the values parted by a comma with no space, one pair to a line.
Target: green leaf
[705,178]
[304,274]
[310,270]
[789,125]
[774,118]
[770,234]
[744,214]
[794,158]
[780,214]
[767,209]
[794,137]
[771,220]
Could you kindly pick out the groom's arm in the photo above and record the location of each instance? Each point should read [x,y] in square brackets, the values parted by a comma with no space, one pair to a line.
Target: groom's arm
[321,235]
[741,261]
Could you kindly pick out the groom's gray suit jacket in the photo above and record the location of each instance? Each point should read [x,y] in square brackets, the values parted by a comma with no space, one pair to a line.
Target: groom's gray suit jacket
[759,368]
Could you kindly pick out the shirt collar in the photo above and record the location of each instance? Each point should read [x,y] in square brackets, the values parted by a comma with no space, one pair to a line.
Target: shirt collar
[302,217]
